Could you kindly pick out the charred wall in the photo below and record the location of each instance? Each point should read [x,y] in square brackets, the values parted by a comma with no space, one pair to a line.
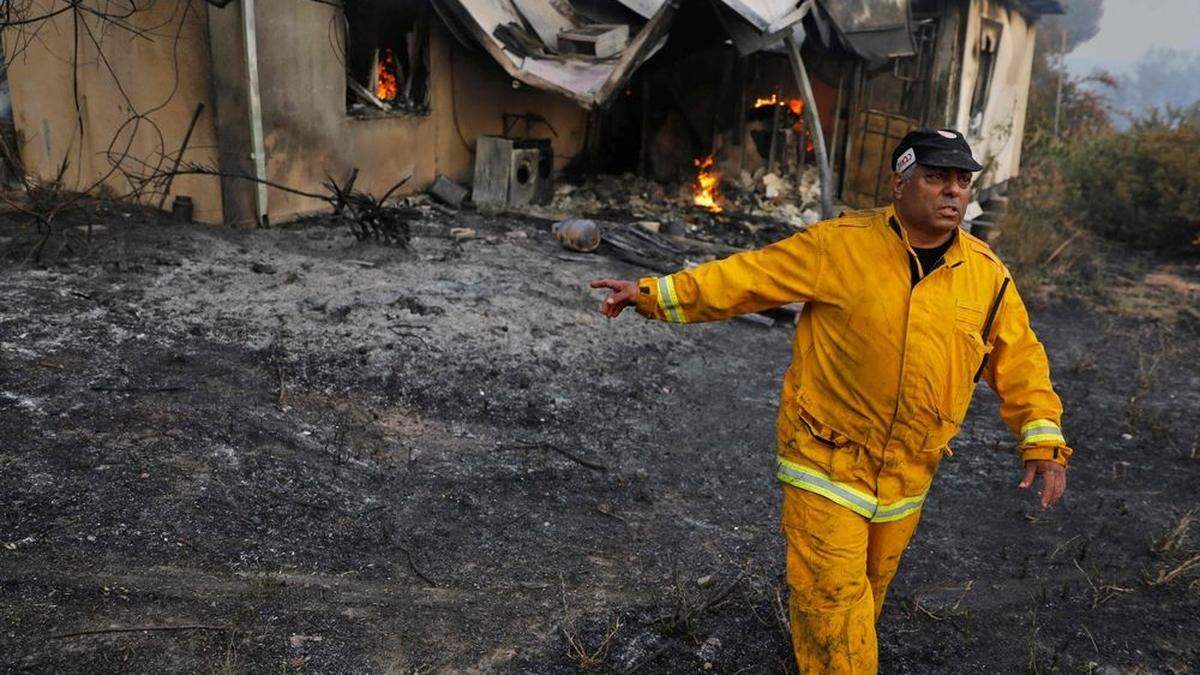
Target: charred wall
[309,134]
[995,133]
[130,105]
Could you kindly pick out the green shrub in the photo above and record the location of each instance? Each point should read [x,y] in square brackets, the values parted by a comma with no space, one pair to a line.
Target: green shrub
[1140,186]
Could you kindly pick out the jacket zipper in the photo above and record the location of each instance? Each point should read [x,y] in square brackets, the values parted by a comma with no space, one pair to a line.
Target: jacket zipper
[904,347]
[903,352]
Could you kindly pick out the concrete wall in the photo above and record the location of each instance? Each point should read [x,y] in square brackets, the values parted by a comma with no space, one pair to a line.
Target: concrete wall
[164,80]
[308,133]
[997,141]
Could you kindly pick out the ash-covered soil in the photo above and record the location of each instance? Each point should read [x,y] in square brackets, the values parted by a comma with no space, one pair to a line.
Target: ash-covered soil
[285,450]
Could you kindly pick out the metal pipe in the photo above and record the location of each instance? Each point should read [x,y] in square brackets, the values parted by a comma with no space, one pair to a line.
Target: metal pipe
[853,104]
[837,122]
[773,151]
[814,125]
[258,154]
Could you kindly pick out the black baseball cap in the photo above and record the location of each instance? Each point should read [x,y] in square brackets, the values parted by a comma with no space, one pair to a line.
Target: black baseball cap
[934,147]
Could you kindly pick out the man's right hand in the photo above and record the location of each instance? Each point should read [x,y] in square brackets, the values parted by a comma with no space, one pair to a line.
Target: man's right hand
[624,294]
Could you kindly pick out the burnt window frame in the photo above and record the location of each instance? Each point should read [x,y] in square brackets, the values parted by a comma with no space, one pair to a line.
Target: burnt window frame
[992,32]
[361,62]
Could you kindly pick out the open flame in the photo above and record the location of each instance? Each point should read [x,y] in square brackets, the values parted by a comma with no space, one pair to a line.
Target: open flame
[386,86]
[706,187]
[764,102]
[796,107]
[794,104]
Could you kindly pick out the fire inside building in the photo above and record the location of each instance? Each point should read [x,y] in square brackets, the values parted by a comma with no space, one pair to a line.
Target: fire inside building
[698,92]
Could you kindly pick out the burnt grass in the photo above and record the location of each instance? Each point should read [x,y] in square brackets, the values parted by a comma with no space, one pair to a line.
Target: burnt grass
[284,450]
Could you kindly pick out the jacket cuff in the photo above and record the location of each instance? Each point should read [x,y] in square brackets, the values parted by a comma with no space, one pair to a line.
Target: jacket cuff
[1042,438]
[647,299]
[1042,431]
[1054,453]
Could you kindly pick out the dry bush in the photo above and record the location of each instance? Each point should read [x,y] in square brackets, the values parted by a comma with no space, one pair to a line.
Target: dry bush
[1102,590]
[1160,350]
[1083,192]
[580,650]
[1176,538]
[1140,186]
[1088,182]
[1179,555]
[1039,246]
[42,201]
[1043,239]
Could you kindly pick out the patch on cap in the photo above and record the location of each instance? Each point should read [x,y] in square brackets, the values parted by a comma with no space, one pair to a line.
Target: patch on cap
[947,134]
[905,160]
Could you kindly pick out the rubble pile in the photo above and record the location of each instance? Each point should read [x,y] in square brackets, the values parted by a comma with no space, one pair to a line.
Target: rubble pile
[756,197]
[791,198]
[751,209]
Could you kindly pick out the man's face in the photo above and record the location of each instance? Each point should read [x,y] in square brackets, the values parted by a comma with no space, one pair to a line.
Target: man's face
[934,198]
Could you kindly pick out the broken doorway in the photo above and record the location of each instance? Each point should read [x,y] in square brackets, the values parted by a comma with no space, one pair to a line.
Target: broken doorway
[893,98]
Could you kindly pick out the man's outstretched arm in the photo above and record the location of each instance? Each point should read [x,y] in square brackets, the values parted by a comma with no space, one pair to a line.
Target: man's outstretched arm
[1019,372]
[787,271]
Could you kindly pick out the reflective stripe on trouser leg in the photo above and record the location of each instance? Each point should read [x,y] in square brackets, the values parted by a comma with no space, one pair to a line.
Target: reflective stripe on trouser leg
[862,503]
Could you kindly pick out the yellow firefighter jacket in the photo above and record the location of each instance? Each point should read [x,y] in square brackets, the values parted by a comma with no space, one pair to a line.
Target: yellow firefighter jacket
[883,368]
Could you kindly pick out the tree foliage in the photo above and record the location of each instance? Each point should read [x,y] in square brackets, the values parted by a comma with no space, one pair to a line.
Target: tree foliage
[1140,186]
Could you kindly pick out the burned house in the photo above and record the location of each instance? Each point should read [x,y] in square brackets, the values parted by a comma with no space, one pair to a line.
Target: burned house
[275,94]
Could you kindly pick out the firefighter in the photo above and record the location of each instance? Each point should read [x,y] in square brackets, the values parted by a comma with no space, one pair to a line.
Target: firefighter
[903,313]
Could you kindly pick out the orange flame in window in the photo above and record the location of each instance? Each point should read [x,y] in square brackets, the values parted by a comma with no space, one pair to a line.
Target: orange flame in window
[763,102]
[794,104]
[706,188]
[386,86]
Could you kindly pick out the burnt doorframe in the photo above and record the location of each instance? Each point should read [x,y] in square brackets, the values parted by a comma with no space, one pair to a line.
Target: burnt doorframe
[921,100]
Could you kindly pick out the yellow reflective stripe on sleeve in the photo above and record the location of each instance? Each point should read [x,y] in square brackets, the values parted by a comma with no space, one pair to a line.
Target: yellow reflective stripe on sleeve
[1041,431]
[865,505]
[668,300]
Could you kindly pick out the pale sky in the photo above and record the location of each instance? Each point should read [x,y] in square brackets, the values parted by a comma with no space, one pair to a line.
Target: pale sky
[1131,27]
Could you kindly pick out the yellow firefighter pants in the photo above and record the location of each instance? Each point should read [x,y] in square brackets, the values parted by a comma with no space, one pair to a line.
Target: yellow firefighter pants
[839,565]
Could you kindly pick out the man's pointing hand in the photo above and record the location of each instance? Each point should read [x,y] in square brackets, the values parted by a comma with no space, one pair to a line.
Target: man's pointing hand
[624,294]
[1054,479]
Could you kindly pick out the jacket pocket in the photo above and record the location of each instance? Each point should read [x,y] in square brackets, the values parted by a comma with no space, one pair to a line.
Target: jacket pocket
[941,431]
[822,433]
[833,429]
[836,450]
[966,354]
[968,318]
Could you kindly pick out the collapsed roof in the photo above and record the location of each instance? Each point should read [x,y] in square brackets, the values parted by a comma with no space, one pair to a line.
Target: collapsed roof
[523,37]
[587,49]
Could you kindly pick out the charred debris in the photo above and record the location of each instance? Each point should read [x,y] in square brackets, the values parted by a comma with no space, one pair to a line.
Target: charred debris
[714,126]
[725,122]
